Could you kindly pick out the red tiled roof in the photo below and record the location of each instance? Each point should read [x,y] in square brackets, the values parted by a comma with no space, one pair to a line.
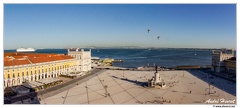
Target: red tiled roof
[15,62]
[24,58]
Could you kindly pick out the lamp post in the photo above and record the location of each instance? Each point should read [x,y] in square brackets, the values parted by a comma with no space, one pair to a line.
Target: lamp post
[209,88]
[183,73]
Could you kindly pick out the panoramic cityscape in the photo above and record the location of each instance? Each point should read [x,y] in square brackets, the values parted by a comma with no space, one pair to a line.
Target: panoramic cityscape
[112,54]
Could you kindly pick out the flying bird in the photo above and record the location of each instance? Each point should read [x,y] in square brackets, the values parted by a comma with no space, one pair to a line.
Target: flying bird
[158,37]
[148,30]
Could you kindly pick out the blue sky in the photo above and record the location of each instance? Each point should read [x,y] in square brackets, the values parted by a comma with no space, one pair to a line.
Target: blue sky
[81,25]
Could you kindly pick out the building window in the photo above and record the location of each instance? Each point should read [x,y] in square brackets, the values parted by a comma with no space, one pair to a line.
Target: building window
[13,75]
[18,75]
[22,73]
[8,76]
[31,72]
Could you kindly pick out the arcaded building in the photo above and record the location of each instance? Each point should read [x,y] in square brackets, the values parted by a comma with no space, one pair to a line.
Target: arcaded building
[218,58]
[231,67]
[83,57]
[25,67]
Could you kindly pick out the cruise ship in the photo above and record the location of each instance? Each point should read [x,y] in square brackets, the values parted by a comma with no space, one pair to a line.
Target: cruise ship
[25,50]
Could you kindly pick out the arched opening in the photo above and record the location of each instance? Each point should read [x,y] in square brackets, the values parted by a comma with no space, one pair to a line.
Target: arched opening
[42,76]
[8,83]
[26,79]
[39,77]
[46,76]
[13,82]
[23,80]
[18,81]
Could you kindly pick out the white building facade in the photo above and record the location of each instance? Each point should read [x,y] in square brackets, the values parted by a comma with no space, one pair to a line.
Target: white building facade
[83,58]
[218,57]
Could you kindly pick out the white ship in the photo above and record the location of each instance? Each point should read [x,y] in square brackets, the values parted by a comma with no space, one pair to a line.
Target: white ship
[25,50]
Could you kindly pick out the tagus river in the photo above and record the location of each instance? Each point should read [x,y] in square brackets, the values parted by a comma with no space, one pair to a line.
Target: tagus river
[167,57]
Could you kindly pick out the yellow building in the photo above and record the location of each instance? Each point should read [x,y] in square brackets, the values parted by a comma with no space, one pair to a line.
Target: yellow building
[231,67]
[24,67]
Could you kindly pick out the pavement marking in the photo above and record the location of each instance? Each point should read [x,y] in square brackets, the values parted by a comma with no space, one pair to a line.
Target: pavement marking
[123,88]
[65,96]
[87,91]
[106,92]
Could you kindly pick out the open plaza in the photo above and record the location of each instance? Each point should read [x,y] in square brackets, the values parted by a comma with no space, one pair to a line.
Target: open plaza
[131,87]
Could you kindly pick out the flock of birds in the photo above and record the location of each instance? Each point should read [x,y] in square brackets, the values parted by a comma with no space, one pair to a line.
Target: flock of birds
[150,30]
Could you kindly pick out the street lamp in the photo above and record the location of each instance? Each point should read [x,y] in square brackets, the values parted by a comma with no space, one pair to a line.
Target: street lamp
[209,88]
[183,73]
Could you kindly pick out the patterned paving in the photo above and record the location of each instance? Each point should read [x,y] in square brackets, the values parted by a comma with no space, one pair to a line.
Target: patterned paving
[122,87]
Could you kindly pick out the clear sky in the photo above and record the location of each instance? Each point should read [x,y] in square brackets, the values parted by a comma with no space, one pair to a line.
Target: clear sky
[81,25]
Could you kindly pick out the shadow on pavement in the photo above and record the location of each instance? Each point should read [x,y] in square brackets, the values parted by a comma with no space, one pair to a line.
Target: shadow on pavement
[20,95]
[215,81]
[133,81]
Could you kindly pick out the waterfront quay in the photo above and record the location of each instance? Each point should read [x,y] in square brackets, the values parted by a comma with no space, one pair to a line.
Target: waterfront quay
[131,87]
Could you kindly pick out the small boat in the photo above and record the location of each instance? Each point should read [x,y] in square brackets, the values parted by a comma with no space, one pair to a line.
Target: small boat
[118,61]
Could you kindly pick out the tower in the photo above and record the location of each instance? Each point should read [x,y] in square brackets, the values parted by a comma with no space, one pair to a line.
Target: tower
[83,59]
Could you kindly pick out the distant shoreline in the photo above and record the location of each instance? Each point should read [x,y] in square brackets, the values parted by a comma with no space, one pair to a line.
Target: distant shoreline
[129,48]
